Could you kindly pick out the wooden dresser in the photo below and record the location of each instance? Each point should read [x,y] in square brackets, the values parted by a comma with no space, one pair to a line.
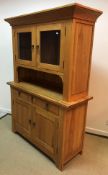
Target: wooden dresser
[52,59]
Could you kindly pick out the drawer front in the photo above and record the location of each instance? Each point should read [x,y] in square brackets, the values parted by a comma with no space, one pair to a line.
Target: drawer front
[46,105]
[22,95]
[35,100]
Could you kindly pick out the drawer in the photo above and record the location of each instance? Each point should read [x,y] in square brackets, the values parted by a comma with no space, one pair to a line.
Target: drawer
[46,105]
[22,95]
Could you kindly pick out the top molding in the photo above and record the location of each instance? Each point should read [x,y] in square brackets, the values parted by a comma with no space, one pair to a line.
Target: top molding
[73,11]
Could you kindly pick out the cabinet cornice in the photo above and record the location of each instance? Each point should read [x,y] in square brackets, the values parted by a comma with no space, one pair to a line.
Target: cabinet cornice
[73,11]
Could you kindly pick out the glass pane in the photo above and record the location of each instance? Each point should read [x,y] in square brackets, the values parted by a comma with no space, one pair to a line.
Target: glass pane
[50,47]
[25,52]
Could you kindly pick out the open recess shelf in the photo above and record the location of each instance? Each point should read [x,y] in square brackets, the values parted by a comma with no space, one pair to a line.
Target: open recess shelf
[45,80]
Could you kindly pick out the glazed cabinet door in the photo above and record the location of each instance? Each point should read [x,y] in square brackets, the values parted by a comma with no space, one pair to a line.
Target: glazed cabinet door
[50,46]
[24,45]
[22,117]
[44,131]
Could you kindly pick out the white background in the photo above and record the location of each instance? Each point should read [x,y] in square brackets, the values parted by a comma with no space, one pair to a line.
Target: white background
[98,108]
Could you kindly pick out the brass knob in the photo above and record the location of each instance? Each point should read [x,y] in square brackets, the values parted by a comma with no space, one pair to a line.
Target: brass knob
[19,93]
[37,46]
[32,98]
[34,124]
[29,121]
[32,46]
[46,106]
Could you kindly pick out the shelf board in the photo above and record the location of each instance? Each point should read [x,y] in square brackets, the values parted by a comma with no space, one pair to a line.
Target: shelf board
[47,94]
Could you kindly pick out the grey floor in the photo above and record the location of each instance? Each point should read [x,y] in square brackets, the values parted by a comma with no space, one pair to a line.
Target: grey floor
[18,157]
[2,114]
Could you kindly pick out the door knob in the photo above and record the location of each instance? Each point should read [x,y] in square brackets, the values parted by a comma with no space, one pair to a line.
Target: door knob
[37,46]
[32,46]
[34,124]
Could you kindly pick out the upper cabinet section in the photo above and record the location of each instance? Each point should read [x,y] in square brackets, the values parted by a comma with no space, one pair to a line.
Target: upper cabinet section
[55,43]
[45,40]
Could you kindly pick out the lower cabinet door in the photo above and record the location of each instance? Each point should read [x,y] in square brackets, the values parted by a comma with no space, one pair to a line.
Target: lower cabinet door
[44,131]
[22,117]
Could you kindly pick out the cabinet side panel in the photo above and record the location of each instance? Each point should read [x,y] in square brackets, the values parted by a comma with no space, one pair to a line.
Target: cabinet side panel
[14,54]
[74,126]
[68,57]
[82,57]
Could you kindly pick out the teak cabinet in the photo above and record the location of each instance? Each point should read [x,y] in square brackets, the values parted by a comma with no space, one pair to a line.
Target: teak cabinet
[52,59]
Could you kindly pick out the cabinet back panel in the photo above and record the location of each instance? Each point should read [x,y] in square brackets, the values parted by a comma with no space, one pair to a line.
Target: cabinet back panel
[50,47]
[43,79]
[25,49]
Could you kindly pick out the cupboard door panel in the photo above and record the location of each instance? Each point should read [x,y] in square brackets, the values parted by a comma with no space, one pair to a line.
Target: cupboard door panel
[50,45]
[25,42]
[44,130]
[22,115]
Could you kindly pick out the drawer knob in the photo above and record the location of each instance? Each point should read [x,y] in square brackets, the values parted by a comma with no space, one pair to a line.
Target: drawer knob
[46,106]
[34,124]
[19,93]
[29,121]
[32,99]
[32,46]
